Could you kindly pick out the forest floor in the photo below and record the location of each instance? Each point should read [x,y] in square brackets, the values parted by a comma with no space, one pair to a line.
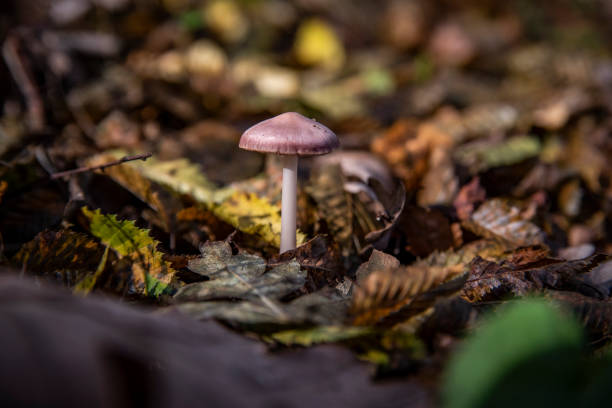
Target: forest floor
[455,251]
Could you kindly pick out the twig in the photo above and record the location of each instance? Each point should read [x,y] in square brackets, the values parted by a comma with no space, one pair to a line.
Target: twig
[102,166]
[23,77]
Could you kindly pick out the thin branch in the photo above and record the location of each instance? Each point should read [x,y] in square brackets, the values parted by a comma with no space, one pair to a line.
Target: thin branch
[124,159]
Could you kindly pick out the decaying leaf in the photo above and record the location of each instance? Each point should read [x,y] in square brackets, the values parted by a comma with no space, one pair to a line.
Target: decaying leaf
[518,276]
[378,199]
[325,307]
[65,256]
[241,276]
[425,230]
[378,261]
[134,181]
[393,206]
[319,257]
[440,184]
[377,342]
[497,218]
[386,292]
[150,274]
[327,188]
[468,197]
[594,314]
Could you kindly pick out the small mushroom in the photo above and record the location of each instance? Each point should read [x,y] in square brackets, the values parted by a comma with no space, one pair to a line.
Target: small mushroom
[290,135]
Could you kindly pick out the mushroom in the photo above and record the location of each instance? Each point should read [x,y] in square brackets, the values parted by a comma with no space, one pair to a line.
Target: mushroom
[290,135]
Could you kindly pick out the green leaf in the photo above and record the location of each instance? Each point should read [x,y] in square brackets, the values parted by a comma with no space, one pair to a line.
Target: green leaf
[529,345]
[320,334]
[151,275]
[485,155]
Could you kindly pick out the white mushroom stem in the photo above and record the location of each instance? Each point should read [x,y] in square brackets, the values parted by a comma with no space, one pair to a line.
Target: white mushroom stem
[289,203]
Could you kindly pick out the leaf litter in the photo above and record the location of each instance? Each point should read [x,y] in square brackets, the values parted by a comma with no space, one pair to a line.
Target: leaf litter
[473,174]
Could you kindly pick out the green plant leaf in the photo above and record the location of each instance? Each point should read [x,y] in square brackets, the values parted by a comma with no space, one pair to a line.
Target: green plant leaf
[529,344]
[320,334]
[151,275]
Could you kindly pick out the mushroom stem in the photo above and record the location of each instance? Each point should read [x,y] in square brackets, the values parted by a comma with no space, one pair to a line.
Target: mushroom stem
[289,203]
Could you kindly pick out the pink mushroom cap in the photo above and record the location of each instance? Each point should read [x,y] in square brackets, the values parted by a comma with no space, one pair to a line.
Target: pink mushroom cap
[290,134]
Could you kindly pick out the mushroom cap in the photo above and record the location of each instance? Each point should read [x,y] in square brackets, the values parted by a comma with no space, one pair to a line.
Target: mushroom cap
[289,133]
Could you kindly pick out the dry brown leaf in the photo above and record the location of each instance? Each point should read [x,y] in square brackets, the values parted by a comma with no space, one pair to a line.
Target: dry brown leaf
[385,292]
[378,261]
[497,218]
[65,256]
[320,258]
[326,187]
[495,280]
[468,197]
[158,198]
[425,230]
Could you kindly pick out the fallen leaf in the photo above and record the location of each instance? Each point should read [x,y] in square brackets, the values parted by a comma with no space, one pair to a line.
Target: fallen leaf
[320,334]
[490,280]
[253,215]
[378,261]
[481,156]
[439,184]
[393,206]
[497,218]
[130,178]
[150,274]
[467,199]
[316,43]
[425,230]
[386,292]
[319,257]
[64,256]
[241,276]
[594,314]
[326,186]
[3,186]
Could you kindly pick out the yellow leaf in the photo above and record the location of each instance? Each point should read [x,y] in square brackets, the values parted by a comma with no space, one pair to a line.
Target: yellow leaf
[253,215]
[317,44]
